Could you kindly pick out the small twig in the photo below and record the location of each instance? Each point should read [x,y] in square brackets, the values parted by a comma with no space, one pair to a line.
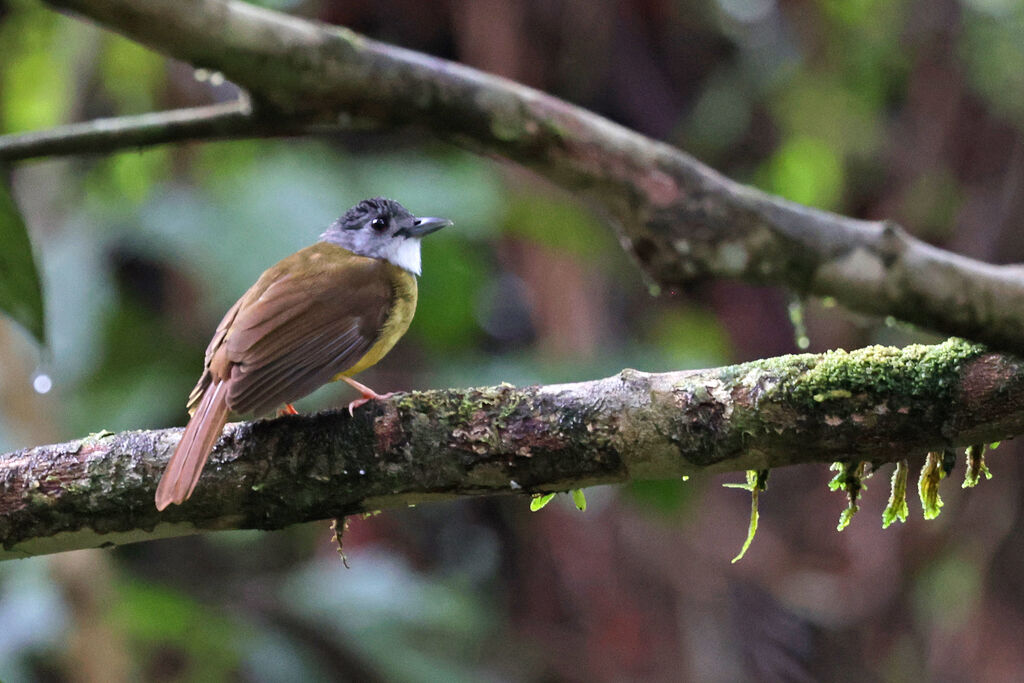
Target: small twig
[227,121]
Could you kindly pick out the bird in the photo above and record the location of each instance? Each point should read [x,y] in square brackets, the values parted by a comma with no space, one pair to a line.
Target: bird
[323,314]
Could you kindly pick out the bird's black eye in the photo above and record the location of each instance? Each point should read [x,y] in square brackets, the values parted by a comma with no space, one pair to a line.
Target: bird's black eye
[378,224]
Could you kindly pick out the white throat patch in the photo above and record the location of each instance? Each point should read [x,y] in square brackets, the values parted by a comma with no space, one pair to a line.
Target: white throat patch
[404,253]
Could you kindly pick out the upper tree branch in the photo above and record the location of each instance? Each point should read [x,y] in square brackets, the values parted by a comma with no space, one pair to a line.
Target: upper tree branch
[680,219]
[877,404]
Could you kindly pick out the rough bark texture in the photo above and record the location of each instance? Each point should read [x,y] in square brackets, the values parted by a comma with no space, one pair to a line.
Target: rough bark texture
[878,404]
[680,219]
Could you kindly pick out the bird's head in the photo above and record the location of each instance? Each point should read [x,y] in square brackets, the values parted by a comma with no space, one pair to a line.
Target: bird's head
[383,229]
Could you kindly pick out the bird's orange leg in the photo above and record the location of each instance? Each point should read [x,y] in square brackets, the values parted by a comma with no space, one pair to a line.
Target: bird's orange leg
[368,394]
[288,409]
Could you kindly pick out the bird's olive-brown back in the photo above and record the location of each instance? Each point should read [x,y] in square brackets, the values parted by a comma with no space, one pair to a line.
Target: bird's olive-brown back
[310,318]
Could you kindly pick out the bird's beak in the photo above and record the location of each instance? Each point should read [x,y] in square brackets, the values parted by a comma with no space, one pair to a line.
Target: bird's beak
[425,226]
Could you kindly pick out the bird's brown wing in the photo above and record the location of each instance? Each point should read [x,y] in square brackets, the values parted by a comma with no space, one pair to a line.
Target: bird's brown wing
[309,318]
[218,338]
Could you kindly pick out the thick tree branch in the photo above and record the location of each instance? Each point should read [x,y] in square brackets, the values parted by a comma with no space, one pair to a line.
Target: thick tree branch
[877,404]
[680,219]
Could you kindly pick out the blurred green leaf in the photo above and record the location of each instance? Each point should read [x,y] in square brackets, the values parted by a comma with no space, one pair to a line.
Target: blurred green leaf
[854,12]
[992,49]
[35,80]
[408,625]
[822,106]
[155,619]
[452,275]
[34,93]
[663,496]
[557,224]
[539,501]
[947,593]
[931,204]
[689,337]
[808,171]
[131,73]
[128,178]
[224,161]
[140,355]
[21,294]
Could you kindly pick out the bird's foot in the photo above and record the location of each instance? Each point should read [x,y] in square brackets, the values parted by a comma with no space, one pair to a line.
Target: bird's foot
[368,394]
[288,409]
[352,405]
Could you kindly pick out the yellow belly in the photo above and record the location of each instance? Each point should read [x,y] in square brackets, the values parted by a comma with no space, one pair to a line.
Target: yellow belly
[404,306]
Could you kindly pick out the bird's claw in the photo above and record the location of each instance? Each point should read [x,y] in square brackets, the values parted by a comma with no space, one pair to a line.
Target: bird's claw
[352,405]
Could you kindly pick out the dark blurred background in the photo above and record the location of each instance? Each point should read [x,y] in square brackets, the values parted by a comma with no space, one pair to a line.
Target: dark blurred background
[909,109]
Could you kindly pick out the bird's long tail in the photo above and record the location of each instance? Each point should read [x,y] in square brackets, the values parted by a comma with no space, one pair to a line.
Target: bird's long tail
[201,433]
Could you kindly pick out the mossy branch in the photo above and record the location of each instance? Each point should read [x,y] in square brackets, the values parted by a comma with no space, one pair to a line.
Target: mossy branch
[876,404]
[679,219]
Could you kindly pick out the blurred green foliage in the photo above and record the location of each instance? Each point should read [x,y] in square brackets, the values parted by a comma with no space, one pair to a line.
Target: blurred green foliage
[155,619]
[808,171]
[132,75]
[559,225]
[665,496]
[689,337]
[447,323]
[21,296]
[35,78]
[992,53]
